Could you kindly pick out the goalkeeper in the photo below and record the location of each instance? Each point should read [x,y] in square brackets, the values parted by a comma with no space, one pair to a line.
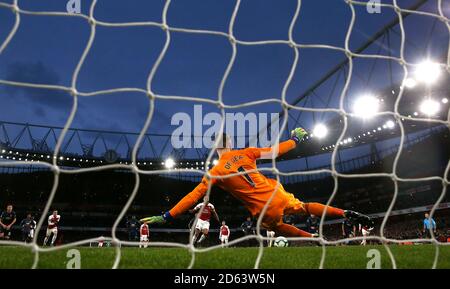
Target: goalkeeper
[254,190]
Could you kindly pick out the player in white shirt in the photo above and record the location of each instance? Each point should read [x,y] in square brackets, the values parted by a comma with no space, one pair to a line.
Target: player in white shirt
[365,230]
[202,225]
[52,228]
[224,234]
[144,232]
[271,236]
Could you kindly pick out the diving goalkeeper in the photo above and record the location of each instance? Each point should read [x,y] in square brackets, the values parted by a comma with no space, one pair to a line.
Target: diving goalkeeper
[254,190]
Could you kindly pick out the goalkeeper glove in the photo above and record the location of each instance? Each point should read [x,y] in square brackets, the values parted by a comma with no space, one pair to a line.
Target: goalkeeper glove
[152,220]
[298,134]
[157,219]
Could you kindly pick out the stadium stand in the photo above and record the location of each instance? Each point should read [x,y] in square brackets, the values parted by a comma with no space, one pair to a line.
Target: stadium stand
[89,207]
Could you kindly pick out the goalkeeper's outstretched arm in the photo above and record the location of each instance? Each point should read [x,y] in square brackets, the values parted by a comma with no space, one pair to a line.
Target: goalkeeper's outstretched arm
[184,204]
[279,149]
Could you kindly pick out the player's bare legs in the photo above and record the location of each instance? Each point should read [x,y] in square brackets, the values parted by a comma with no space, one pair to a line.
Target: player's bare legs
[47,236]
[204,235]
[55,234]
[143,243]
[224,242]
[270,235]
[196,233]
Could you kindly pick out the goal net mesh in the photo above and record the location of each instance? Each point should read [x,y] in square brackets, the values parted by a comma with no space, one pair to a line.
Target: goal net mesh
[234,43]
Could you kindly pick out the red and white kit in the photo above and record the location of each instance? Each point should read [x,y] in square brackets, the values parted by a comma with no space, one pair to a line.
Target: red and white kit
[224,234]
[144,232]
[365,232]
[101,241]
[52,228]
[205,216]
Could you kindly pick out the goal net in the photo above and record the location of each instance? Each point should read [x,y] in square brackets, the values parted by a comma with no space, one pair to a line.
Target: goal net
[412,108]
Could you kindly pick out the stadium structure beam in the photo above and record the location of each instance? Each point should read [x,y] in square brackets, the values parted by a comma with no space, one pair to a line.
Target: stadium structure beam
[343,63]
[369,42]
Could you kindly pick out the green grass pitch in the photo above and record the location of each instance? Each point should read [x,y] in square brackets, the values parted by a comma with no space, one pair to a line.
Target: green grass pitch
[412,256]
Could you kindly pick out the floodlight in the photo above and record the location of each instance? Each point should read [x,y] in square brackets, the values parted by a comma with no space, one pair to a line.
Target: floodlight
[410,83]
[169,163]
[427,72]
[429,107]
[320,131]
[366,106]
[390,124]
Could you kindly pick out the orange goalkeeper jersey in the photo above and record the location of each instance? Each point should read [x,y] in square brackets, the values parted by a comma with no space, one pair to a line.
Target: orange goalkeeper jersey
[253,189]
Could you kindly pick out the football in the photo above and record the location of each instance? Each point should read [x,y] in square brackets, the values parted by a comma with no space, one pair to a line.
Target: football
[281,242]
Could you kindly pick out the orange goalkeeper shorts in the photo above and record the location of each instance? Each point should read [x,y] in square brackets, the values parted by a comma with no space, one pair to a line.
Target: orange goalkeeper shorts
[283,203]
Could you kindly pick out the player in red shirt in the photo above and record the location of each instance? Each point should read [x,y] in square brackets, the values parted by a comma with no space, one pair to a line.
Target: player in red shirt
[101,241]
[224,233]
[365,231]
[52,228]
[202,225]
[145,233]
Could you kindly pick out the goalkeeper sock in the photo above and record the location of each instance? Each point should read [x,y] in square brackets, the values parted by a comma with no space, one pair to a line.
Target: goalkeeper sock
[287,230]
[318,209]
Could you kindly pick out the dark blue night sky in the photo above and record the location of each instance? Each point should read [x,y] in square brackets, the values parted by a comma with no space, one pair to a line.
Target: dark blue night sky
[46,50]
